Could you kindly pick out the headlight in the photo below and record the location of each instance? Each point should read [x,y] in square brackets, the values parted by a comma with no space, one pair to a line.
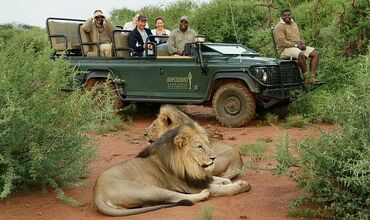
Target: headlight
[264,77]
[260,73]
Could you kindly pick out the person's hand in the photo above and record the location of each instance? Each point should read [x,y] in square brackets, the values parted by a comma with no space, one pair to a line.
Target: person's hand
[301,45]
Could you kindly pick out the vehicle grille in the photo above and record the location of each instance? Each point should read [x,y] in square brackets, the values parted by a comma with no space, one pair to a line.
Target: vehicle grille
[289,73]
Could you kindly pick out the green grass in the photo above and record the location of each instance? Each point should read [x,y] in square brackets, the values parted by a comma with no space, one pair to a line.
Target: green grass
[207,212]
[255,151]
[295,121]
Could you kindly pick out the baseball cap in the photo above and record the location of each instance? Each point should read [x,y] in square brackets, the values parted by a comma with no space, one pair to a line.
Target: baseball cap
[184,18]
[142,18]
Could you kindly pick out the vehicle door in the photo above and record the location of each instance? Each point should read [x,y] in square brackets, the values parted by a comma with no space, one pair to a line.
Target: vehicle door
[138,74]
[178,77]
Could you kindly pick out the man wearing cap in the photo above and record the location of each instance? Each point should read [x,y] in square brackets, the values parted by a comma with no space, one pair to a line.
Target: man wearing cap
[129,26]
[139,36]
[100,29]
[179,37]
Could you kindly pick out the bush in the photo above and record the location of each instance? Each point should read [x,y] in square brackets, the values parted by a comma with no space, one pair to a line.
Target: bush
[335,168]
[43,136]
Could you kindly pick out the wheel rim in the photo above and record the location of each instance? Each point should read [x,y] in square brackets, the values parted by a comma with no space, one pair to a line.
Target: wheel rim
[233,105]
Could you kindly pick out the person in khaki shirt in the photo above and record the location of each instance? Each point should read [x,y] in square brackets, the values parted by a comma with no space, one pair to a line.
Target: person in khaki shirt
[179,37]
[100,29]
[291,45]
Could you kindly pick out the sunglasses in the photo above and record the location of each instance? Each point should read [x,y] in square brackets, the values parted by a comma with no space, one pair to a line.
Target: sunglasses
[99,16]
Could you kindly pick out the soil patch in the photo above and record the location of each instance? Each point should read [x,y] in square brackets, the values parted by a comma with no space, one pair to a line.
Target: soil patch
[268,198]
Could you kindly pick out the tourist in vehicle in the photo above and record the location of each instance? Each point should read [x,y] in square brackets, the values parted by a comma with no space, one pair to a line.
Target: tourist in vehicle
[139,36]
[100,29]
[180,36]
[291,45]
[160,31]
[129,26]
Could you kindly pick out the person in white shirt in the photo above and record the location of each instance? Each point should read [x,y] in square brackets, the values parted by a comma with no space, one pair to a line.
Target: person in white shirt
[160,31]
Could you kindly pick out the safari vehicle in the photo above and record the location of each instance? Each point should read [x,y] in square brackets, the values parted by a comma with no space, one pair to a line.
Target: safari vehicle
[231,78]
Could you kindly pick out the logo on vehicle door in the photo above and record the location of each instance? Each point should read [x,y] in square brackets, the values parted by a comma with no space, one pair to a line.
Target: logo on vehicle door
[179,82]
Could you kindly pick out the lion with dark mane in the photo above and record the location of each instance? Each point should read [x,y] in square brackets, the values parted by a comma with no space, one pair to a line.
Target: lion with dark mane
[228,163]
[173,170]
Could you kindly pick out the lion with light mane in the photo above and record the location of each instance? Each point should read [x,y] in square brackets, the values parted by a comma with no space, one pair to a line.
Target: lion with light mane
[173,170]
[228,163]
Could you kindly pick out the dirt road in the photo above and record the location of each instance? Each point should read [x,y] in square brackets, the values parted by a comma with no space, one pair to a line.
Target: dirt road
[268,198]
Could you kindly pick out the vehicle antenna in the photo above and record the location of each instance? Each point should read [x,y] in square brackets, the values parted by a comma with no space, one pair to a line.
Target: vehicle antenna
[233,20]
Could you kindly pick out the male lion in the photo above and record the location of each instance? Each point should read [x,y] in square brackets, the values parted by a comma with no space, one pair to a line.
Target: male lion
[228,163]
[173,170]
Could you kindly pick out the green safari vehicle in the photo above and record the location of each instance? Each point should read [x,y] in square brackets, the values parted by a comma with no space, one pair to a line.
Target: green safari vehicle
[231,78]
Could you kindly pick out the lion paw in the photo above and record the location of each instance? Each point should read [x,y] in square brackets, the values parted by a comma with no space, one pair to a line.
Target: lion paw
[205,193]
[244,185]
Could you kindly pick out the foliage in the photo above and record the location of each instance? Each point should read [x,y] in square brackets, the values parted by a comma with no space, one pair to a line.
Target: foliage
[272,119]
[226,21]
[335,166]
[255,151]
[171,13]
[207,212]
[295,121]
[43,130]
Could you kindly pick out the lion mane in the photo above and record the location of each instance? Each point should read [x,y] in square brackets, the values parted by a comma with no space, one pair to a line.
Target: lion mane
[175,160]
[228,163]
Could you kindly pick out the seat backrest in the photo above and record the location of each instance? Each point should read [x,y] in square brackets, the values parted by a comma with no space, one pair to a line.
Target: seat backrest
[163,51]
[121,45]
[274,44]
[72,30]
[88,47]
[57,34]
[63,35]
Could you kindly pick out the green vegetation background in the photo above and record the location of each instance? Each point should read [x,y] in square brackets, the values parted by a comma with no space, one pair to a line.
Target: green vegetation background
[44,132]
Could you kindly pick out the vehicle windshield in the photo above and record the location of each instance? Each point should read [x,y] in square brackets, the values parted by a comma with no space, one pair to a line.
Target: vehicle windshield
[230,49]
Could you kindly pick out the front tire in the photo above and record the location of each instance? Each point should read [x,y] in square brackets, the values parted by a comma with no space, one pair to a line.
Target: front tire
[234,105]
[99,87]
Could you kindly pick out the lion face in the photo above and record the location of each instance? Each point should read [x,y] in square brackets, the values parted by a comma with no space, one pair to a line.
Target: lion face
[193,157]
[169,118]
[152,132]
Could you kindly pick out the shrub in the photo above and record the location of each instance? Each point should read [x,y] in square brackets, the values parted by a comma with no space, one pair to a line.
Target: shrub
[43,138]
[335,167]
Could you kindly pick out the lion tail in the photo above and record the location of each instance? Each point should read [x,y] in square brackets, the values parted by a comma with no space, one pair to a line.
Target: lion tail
[106,209]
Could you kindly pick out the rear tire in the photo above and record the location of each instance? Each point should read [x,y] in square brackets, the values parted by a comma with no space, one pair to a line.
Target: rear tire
[234,105]
[98,83]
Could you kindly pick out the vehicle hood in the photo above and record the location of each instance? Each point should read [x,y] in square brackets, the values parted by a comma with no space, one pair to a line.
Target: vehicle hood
[243,61]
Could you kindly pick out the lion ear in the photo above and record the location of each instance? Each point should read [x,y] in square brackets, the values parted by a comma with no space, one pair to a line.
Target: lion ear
[165,120]
[180,141]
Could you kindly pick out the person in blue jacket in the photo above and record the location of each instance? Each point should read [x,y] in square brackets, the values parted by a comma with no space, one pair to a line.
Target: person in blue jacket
[139,36]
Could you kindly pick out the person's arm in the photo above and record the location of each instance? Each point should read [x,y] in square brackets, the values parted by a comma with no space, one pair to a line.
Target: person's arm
[110,26]
[87,25]
[134,43]
[302,43]
[280,38]
[172,46]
